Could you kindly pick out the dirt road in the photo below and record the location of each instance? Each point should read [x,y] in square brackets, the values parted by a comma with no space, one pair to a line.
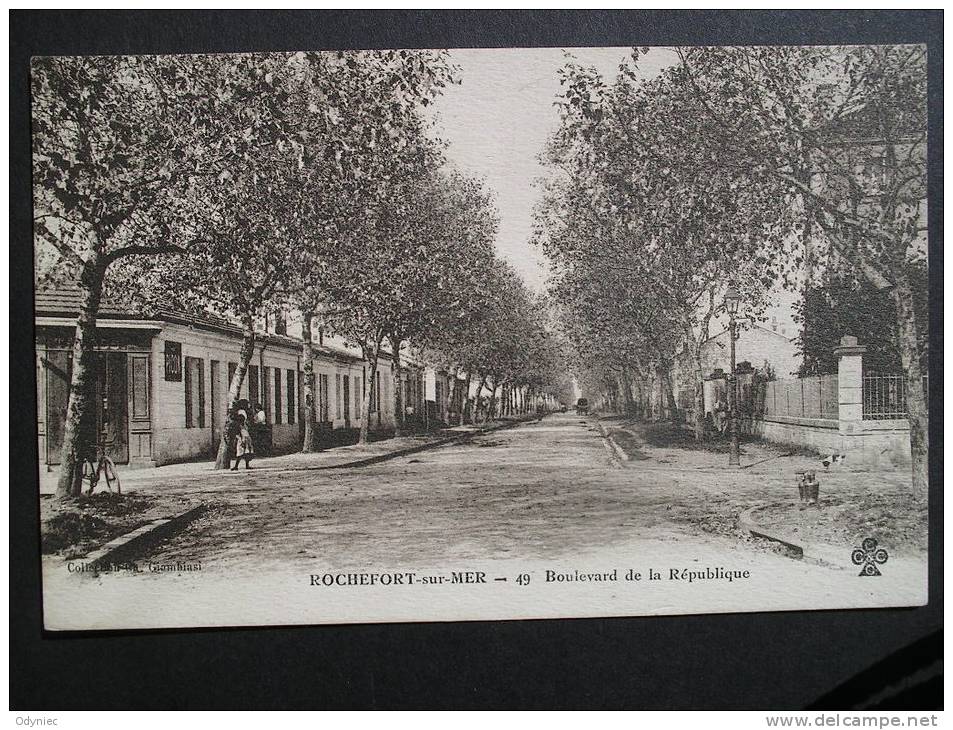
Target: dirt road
[525,511]
[542,490]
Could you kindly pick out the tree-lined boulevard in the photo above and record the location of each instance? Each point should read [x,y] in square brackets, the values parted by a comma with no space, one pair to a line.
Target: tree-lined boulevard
[740,168]
[238,185]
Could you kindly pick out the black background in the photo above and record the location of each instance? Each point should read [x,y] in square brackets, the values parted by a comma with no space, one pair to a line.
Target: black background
[741,661]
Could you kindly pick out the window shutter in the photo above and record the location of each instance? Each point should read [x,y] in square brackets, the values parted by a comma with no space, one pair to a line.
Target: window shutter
[277,395]
[188,397]
[200,367]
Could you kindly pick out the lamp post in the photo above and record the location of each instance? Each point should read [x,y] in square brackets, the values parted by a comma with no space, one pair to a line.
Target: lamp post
[732,300]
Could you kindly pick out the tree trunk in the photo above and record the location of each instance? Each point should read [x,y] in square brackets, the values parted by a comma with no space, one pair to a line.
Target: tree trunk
[476,401]
[491,404]
[453,392]
[917,414]
[223,457]
[465,400]
[372,353]
[699,420]
[670,397]
[395,377]
[79,438]
[626,384]
[310,441]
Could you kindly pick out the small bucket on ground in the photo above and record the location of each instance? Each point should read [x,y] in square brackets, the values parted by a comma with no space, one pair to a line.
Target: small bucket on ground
[808,487]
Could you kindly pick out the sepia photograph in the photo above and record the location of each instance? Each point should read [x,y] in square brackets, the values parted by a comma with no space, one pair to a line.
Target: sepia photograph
[476,360]
[412,335]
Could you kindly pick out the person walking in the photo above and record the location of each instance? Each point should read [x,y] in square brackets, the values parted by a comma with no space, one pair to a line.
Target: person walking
[244,447]
[721,414]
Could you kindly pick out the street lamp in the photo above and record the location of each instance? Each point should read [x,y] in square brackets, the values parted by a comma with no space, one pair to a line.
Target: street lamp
[732,301]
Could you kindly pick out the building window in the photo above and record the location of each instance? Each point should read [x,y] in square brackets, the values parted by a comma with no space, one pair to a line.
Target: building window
[373,393]
[266,387]
[277,395]
[291,395]
[254,385]
[323,397]
[173,361]
[357,398]
[194,393]
[337,396]
[140,386]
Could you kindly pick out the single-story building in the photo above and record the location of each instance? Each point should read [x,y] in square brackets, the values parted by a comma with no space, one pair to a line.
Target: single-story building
[162,382]
[756,343]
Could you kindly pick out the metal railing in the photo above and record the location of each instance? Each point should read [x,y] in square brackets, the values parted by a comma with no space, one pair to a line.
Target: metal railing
[811,397]
[885,396]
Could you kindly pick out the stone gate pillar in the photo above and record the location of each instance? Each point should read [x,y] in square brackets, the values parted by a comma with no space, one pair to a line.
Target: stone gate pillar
[850,384]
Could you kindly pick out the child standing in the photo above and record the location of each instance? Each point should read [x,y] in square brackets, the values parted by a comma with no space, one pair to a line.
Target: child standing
[244,448]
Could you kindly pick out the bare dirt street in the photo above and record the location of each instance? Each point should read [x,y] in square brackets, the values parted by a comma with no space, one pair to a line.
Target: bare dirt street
[517,506]
[542,490]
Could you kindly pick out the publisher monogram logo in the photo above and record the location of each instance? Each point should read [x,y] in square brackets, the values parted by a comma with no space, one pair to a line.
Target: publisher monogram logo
[868,555]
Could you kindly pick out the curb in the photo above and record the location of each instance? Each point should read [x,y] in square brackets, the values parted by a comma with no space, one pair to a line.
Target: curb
[127,547]
[612,448]
[816,553]
[613,444]
[368,461]
[620,452]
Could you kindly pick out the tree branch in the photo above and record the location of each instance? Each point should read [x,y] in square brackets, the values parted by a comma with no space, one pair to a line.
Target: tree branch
[143,251]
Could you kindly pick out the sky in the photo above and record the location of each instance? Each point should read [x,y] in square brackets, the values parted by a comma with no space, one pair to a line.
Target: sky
[497,122]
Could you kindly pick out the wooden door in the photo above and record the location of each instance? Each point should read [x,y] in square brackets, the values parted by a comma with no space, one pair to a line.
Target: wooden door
[112,399]
[58,366]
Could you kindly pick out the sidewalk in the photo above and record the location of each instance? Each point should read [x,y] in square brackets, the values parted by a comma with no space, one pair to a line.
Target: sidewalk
[856,502]
[756,456]
[332,458]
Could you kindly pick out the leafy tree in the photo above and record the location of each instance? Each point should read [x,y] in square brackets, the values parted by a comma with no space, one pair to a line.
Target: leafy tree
[839,304]
[445,225]
[844,130]
[641,215]
[245,214]
[449,325]
[372,259]
[358,117]
[114,141]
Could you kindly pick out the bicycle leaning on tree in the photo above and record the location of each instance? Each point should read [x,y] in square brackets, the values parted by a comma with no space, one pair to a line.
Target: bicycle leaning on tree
[98,465]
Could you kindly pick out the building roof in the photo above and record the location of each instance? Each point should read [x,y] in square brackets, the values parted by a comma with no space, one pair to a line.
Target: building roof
[753,325]
[65,301]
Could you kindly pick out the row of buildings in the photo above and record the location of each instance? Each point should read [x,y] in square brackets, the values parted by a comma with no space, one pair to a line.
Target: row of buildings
[163,378]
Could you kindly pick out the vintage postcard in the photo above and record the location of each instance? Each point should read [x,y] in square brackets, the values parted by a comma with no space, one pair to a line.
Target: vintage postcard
[445,335]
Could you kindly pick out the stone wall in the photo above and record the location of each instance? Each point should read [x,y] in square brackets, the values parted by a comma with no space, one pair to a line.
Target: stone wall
[866,443]
[877,444]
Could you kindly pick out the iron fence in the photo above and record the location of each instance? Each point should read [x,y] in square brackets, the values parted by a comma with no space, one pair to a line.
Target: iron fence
[885,396]
[811,397]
